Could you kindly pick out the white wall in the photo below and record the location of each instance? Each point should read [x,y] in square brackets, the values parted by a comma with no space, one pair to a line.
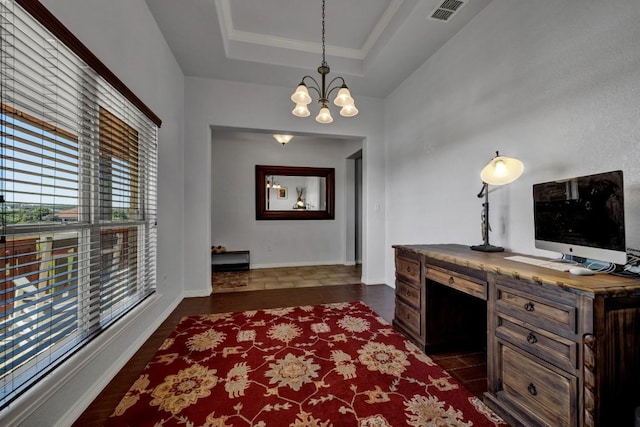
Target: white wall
[553,83]
[277,243]
[123,35]
[240,105]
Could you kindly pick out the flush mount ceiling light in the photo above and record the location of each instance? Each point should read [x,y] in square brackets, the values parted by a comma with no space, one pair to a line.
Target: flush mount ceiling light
[343,98]
[283,139]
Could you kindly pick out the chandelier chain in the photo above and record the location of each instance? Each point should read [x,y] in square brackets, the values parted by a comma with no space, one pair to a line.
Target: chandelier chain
[324,61]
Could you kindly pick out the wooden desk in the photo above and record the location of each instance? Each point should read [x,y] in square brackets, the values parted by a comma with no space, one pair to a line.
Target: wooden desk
[562,350]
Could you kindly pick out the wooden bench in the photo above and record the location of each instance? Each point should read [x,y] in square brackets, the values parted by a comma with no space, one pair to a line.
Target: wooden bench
[230,261]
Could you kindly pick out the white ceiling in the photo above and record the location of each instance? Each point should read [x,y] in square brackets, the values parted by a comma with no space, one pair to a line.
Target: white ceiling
[373,44]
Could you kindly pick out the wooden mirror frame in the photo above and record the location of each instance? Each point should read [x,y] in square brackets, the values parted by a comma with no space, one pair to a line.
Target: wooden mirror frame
[263,171]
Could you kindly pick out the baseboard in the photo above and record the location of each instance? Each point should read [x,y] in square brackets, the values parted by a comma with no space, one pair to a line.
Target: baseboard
[370,281]
[300,264]
[76,410]
[32,399]
[199,293]
[29,402]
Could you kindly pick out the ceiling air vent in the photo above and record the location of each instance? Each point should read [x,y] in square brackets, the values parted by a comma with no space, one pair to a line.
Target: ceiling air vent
[447,9]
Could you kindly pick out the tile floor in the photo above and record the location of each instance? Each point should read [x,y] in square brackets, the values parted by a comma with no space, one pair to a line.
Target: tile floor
[286,277]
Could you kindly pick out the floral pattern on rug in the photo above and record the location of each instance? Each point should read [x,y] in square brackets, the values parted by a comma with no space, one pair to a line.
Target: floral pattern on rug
[329,365]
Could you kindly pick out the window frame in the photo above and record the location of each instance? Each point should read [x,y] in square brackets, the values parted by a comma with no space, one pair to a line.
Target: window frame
[141,254]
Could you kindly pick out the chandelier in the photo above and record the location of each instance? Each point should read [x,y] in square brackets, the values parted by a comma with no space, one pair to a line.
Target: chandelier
[343,98]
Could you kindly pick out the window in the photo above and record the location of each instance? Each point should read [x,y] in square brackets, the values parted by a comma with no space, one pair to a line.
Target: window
[77,200]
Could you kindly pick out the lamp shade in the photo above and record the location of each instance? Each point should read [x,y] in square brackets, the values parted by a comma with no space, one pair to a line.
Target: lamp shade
[301,110]
[502,170]
[301,95]
[349,110]
[324,116]
[343,98]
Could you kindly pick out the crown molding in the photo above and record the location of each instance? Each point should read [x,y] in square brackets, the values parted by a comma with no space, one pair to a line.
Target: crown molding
[230,35]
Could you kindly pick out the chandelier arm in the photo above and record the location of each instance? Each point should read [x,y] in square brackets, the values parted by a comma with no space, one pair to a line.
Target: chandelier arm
[337,78]
[316,87]
[331,89]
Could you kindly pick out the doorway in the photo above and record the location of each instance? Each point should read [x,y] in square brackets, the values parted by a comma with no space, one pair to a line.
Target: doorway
[355,231]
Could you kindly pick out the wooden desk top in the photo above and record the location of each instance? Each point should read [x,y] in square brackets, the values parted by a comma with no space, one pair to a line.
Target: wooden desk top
[495,262]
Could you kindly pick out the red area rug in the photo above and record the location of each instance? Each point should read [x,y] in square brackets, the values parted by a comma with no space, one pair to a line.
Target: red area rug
[310,366]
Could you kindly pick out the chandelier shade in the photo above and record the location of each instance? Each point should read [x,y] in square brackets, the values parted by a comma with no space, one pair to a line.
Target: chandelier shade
[343,96]
[301,110]
[324,116]
[301,95]
[349,111]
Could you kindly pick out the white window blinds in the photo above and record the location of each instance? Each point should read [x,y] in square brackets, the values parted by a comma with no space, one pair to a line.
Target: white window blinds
[77,200]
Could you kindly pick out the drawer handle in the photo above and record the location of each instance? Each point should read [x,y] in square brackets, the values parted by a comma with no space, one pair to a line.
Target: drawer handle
[408,293]
[531,338]
[529,306]
[408,316]
[451,280]
[408,269]
[532,389]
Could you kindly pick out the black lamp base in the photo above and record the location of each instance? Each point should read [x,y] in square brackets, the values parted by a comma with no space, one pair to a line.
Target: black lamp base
[487,248]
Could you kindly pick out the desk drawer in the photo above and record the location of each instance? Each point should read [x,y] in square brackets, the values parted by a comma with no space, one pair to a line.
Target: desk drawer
[550,347]
[468,285]
[408,269]
[545,313]
[409,317]
[409,293]
[539,391]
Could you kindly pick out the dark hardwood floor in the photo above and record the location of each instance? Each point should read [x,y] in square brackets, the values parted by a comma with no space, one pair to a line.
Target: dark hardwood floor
[468,368]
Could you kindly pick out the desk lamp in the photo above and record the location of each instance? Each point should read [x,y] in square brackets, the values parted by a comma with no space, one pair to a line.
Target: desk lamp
[500,170]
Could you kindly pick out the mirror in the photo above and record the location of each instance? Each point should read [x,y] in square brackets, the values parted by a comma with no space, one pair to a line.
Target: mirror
[294,192]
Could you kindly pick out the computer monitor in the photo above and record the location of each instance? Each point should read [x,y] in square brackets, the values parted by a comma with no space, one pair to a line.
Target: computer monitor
[582,216]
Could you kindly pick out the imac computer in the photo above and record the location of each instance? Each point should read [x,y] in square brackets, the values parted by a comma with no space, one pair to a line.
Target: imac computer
[582,217]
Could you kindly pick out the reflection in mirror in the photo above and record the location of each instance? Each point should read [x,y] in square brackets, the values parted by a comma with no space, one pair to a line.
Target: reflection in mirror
[290,192]
[293,193]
